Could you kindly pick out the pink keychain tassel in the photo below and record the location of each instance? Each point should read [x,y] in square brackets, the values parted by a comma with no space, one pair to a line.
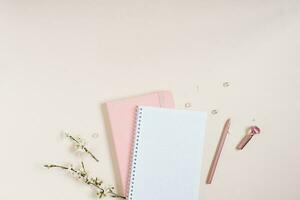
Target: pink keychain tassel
[253,130]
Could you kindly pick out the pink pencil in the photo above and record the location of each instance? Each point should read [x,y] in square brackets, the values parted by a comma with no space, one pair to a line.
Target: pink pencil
[215,160]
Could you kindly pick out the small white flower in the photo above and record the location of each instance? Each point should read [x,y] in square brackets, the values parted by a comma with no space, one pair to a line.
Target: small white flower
[100,193]
[79,145]
[64,134]
[70,167]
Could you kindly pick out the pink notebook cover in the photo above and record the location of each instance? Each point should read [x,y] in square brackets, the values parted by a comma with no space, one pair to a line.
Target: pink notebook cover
[121,114]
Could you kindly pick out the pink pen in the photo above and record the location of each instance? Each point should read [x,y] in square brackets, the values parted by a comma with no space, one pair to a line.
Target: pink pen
[215,160]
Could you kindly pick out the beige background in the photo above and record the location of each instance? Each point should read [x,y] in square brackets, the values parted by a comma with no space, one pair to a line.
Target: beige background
[60,60]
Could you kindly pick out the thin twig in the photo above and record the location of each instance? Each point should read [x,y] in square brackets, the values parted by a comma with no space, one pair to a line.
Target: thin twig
[89,180]
[83,147]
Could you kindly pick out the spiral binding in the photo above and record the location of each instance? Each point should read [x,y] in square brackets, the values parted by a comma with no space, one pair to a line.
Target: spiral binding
[134,153]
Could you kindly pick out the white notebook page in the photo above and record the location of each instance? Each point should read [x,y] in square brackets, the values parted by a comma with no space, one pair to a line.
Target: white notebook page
[167,154]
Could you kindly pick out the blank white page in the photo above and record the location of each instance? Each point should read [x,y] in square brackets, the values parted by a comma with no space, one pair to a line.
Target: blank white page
[167,154]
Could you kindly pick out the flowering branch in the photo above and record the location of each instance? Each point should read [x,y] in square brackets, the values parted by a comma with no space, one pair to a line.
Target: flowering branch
[82,175]
[80,145]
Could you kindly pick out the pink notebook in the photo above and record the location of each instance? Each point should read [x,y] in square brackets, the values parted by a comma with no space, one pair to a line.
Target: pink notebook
[121,114]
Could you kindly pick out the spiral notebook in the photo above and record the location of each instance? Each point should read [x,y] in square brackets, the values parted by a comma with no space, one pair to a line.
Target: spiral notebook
[121,115]
[167,154]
